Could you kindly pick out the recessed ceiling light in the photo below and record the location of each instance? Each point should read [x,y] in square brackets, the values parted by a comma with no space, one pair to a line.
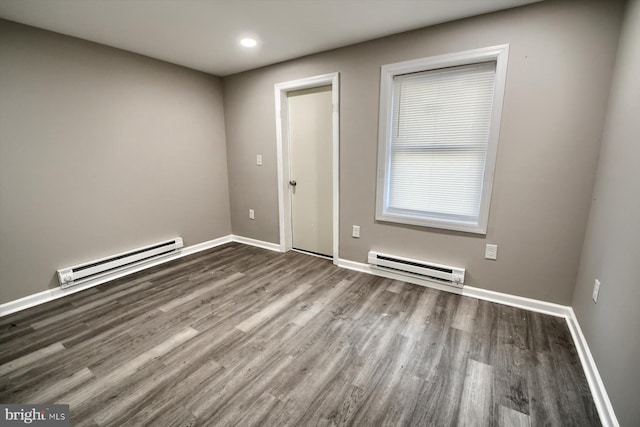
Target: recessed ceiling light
[248,42]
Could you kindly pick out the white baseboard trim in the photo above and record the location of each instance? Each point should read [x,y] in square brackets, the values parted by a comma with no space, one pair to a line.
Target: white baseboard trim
[205,245]
[600,397]
[55,293]
[530,304]
[258,243]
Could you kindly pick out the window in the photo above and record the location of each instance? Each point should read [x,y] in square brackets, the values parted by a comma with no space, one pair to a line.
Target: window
[439,123]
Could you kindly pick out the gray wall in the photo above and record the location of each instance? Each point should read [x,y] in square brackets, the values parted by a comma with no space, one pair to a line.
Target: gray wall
[611,250]
[560,66]
[101,151]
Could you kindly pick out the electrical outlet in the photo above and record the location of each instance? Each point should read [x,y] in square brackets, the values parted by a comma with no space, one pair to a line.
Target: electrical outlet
[259,160]
[356,231]
[596,290]
[252,214]
[491,252]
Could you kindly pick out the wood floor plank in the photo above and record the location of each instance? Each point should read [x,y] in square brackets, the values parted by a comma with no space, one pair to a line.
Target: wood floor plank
[119,375]
[417,322]
[23,345]
[438,400]
[118,411]
[311,311]
[202,290]
[256,412]
[58,367]
[238,398]
[238,335]
[377,399]
[120,394]
[272,309]
[21,362]
[188,384]
[476,402]
[512,358]
[33,314]
[88,309]
[220,394]
[510,418]
[465,315]
[49,393]
[396,286]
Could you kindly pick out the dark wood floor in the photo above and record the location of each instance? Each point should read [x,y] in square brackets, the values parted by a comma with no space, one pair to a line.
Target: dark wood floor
[243,336]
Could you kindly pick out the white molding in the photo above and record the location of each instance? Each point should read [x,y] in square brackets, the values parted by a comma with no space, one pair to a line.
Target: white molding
[258,243]
[55,293]
[33,300]
[206,245]
[283,150]
[530,304]
[600,397]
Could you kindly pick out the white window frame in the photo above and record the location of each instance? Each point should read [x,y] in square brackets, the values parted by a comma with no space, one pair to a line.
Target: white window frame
[499,54]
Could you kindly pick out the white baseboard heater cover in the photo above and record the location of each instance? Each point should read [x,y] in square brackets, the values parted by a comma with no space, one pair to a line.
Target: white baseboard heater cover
[446,274]
[81,273]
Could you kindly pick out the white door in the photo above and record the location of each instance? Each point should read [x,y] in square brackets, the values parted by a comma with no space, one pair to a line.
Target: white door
[311,175]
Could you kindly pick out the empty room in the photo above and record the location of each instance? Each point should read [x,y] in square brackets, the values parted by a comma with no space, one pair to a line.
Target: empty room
[306,212]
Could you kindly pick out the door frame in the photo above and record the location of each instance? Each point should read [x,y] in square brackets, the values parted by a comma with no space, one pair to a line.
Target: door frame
[284,154]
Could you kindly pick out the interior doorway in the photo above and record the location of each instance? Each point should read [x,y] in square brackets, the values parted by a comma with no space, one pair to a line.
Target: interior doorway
[307,126]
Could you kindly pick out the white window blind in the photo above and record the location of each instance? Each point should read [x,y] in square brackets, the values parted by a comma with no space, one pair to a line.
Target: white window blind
[439,138]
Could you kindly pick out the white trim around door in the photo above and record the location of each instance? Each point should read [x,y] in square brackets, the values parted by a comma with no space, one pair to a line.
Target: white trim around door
[282,137]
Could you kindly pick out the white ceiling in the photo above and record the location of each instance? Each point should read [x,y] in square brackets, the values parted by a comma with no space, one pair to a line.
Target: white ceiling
[204,34]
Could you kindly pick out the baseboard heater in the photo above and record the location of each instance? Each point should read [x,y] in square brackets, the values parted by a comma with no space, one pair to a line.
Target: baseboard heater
[445,274]
[82,273]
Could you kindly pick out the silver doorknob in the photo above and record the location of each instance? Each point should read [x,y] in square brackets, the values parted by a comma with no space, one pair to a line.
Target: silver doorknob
[293,183]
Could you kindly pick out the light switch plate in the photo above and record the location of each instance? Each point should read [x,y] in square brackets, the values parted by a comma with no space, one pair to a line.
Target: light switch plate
[356,232]
[252,214]
[491,252]
[259,159]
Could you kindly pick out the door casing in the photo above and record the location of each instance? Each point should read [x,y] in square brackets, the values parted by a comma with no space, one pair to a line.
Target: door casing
[284,157]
